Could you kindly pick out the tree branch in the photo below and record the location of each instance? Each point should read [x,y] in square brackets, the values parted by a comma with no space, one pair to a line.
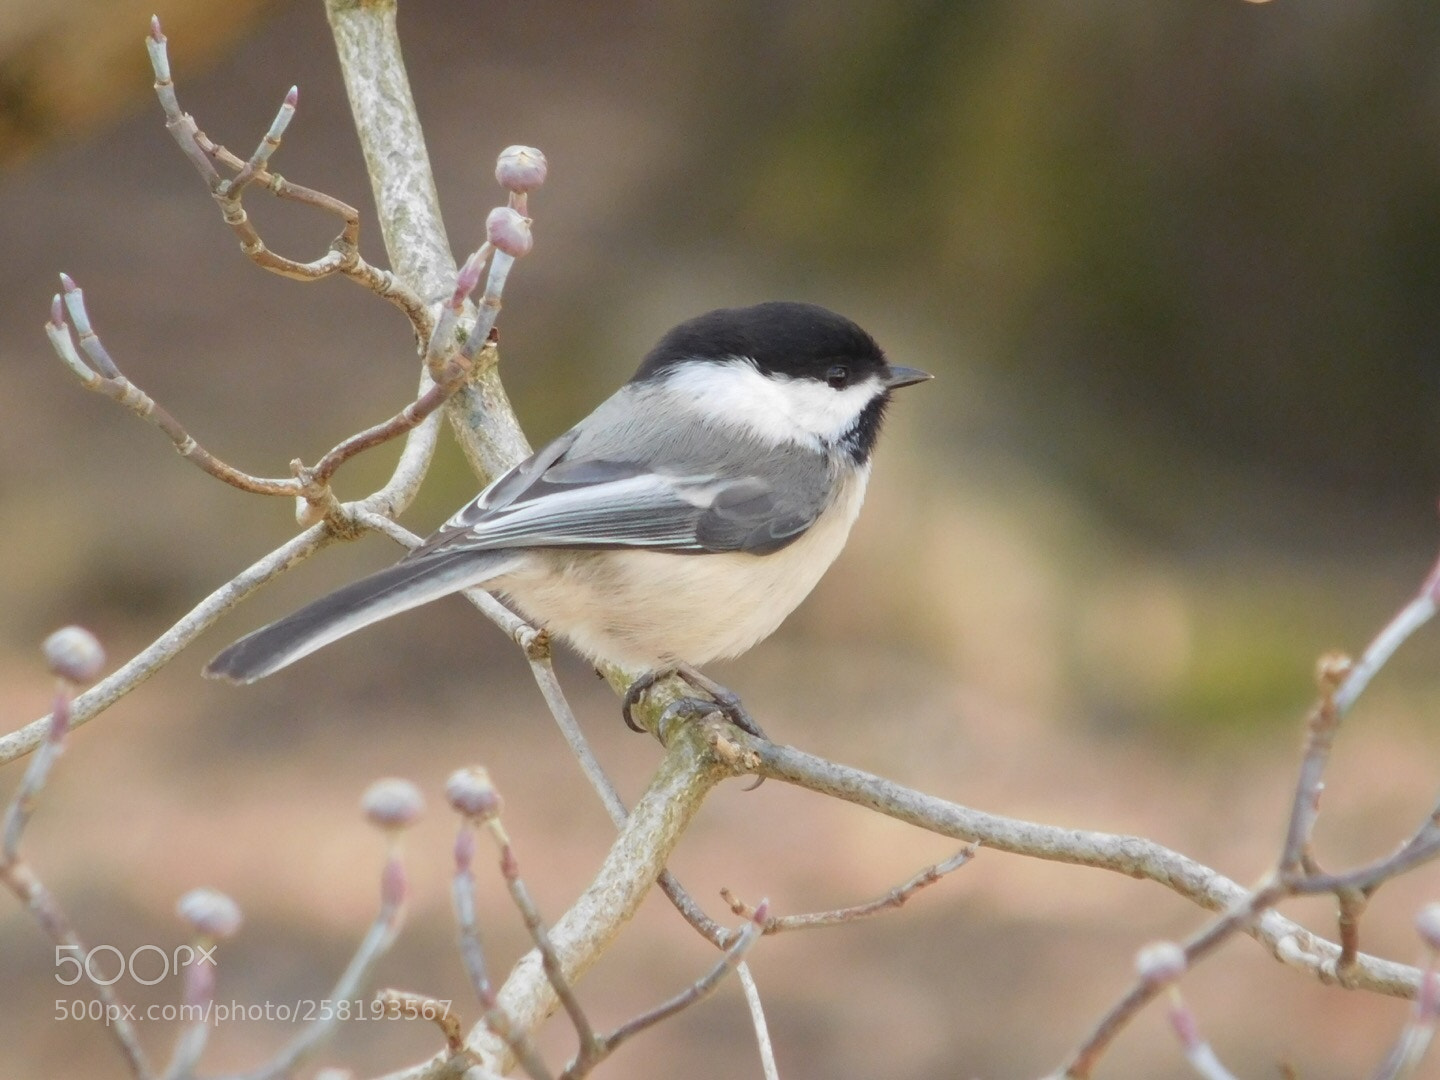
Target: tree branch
[409,209]
[1133,856]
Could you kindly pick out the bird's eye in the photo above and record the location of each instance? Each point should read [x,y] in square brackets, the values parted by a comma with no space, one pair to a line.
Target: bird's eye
[838,377]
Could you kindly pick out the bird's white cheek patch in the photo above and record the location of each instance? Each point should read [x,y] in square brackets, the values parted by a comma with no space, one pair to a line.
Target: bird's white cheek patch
[824,413]
[773,409]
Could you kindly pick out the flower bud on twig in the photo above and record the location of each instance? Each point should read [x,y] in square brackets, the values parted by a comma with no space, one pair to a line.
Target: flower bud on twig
[75,655]
[1427,925]
[392,804]
[521,168]
[210,913]
[471,793]
[1160,962]
[509,231]
[1331,669]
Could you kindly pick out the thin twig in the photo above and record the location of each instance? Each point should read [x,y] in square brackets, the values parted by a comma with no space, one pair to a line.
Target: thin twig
[343,257]
[17,876]
[310,483]
[1341,684]
[268,145]
[122,391]
[496,1019]
[1320,731]
[376,942]
[452,378]
[660,817]
[757,1021]
[1415,614]
[549,959]
[537,651]
[1352,903]
[895,898]
[405,1005]
[1198,1052]
[1405,1056]
[702,988]
[164,648]
[22,805]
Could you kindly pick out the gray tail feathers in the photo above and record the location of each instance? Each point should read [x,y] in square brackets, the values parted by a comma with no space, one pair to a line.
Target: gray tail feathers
[399,588]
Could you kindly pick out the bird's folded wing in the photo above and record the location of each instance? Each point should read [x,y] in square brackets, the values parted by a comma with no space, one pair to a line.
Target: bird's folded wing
[616,504]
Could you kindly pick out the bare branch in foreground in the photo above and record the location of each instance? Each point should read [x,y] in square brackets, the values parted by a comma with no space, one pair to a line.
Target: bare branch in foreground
[696,991]
[163,649]
[535,925]
[473,796]
[1320,731]
[757,1021]
[387,502]
[1341,684]
[1415,1038]
[377,940]
[537,651]
[1198,1052]
[75,657]
[536,645]
[212,916]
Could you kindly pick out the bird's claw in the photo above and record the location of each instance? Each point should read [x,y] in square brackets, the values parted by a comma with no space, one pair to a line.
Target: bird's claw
[720,700]
[632,698]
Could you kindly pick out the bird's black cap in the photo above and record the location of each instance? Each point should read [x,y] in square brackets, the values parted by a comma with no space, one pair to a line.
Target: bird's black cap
[780,337]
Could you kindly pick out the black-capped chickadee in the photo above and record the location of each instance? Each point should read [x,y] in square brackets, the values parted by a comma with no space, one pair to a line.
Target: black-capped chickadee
[678,523]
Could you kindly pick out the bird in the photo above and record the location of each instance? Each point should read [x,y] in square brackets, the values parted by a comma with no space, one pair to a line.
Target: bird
[678,524]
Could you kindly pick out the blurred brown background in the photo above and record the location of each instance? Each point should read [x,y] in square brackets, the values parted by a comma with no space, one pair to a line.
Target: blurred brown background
[1175,267]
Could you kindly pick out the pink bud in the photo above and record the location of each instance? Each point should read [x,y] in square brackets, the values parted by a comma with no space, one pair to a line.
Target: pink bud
[210,913]
[392,803]
[75,655]
[1427,925]
[520,168]
[509,231]
[469,275]
[471,793]
[1160,962]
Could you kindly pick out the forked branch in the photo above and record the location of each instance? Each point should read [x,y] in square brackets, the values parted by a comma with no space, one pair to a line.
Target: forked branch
[344,254]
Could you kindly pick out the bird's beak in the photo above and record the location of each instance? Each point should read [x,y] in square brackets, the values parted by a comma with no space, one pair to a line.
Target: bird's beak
[904,376]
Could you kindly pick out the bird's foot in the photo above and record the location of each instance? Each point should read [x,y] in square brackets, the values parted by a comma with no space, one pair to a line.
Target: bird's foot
[725,701]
